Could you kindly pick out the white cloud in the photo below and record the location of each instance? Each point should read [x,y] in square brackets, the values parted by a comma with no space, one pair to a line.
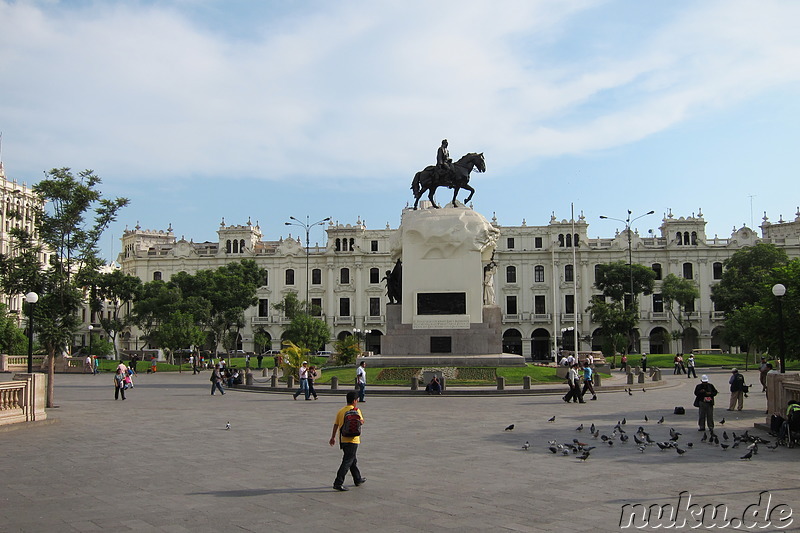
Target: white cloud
[364,90]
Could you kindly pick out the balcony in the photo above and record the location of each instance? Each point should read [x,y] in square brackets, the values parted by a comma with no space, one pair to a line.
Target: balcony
[540,317]
[343,321]
[569,317]
[511,318]
[260,320]
[717,315]
[659,315]
[377,319]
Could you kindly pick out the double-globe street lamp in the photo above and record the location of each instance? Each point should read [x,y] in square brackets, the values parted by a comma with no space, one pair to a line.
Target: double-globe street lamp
[31,298]
[779,290]
[307,227]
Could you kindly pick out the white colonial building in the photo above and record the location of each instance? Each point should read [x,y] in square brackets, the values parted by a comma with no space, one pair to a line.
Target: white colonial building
[544,282]
[18,210]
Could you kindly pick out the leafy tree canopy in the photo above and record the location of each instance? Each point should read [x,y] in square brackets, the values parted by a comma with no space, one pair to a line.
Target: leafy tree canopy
[746,276]
[614,279]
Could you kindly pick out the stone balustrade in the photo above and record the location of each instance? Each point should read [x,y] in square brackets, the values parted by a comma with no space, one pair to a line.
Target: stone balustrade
[23,399]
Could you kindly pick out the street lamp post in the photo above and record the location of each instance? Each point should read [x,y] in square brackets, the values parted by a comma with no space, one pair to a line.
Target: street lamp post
[31,298]
[779,290]
[307,227]
[90,328]
[628,221]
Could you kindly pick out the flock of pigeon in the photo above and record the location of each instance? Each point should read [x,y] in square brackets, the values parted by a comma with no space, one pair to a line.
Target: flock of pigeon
[642,439]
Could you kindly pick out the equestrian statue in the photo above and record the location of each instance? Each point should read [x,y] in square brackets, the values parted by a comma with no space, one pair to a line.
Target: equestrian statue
[447,174]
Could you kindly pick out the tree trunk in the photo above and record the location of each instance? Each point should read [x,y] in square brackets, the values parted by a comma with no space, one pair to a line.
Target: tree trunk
[51,372]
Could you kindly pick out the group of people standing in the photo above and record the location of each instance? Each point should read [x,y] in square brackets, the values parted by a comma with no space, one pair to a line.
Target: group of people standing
[123,379]
[574,374]
[684,367]
[705,392]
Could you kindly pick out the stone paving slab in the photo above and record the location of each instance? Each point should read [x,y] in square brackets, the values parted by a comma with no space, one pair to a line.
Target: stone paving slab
[162,461]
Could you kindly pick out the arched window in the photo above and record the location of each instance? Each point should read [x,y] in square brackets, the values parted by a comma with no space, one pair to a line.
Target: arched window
[235,246]
[266,278]
[657,269]
[156,277]
[686,238]
[575,240]
[316,276]
[569,240]
[688,271]
[344,276]
[679,238]
[538,274]
[338,245]
[717,270]
[569,273]
[596,273]
[561,240]
[228,246]
[694,238]
[241,246]
[511,274]
[352,244]
[289,276]
[374,275]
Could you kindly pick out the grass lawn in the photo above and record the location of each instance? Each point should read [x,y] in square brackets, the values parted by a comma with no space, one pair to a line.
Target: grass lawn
[664,361]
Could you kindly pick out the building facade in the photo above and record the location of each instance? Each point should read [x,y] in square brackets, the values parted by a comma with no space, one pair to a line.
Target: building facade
[544,281]
[18,210]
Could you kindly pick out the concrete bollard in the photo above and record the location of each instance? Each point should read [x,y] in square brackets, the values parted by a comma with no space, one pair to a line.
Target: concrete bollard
[273,381]
[657,374]
[443,383]
[596,380]
[335,383]
[264,373]
[630,379]
[526,382]
[501,383]
[248,379]
[290,382]
[641,377]
[414,383]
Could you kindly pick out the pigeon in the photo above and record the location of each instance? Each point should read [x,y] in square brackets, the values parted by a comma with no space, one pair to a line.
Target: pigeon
[648,439]
[579,428]
[509,428]
[725,435]
[604,438]
[564,452]
[228,425]
[610,442]
[689,444]
[623,438]
[552,419]
[662,445]
[646,419]
[644,390]
[674,434]
[722,422]
[660,420]
[680,452]
[747,456]
[584,456]
[596,433]
[638,441]
[553,449]
[526,446]
[589,448]
[579,443]
[641,448]
[630,393]
[724,446]
[716,439]
[591,429]
[624,421]
[735,444]
[705,437]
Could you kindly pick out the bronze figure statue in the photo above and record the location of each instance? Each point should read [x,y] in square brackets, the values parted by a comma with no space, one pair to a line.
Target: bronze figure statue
[394,283]
[447,174]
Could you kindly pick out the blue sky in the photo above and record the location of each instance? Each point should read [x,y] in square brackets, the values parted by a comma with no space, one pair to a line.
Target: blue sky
[198,110]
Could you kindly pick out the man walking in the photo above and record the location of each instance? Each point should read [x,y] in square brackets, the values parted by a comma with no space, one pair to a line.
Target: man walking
[348,444]
[216,380]
[361,380]
[303,381]
[690,367]
[704,394]
[737,390]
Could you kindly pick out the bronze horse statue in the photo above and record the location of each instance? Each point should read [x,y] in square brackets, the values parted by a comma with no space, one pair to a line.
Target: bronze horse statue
[433,177]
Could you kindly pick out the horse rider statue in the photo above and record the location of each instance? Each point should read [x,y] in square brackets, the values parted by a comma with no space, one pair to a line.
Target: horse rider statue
[444,164]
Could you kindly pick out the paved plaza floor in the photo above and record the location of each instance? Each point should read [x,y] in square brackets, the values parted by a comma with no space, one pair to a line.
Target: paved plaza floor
[163,461]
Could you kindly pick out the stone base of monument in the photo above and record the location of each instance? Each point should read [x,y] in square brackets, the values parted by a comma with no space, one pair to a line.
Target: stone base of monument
[471,344]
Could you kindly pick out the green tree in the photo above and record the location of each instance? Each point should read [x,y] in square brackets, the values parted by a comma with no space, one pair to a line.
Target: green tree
[71,243]
[261,339]
[157,301]
[746,275]
[180,330]
[620,315]
[12,338]
[290,306]
[307,331]
[678,294]
[119,290]
[347,350]
[293,357]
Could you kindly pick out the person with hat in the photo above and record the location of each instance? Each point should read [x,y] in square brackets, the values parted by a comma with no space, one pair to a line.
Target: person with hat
[303,382]
[704,394]
[738,389]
